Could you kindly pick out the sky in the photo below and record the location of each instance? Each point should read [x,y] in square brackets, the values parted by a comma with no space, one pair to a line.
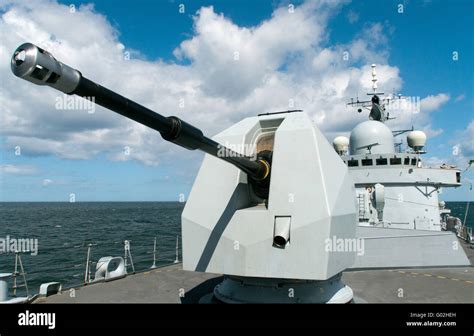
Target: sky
[213,63]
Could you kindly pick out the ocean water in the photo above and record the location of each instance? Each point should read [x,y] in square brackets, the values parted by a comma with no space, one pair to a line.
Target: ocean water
[458,209]
[64,230]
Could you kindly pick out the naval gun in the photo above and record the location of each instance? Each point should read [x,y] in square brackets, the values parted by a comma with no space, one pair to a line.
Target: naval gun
[278,224]
[38,66]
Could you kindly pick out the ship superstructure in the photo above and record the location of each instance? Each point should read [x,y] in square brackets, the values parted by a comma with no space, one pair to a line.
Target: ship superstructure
[393,189]
[401,219]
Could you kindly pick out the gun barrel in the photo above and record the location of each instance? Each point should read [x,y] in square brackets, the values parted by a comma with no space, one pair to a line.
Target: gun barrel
[38,66]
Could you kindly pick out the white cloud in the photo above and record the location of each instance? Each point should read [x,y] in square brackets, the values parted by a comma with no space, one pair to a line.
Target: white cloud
[46,182]
[430,132]
[433,103]
[352,16]
[461,149]
[460,98]
[18,169]
[233,72]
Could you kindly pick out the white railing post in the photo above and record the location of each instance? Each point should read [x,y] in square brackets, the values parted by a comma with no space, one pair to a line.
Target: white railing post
[177,250]
[87,273]
[154,254]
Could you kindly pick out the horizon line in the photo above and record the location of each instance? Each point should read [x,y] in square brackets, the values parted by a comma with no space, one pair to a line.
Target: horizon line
[157,201]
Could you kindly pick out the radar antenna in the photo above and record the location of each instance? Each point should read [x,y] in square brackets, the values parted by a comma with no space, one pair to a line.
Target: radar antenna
[369,147]
[374,81]
[375,105]
[400,132]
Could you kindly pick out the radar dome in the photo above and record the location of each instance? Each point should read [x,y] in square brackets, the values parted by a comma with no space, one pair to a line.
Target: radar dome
[371,137]
[341,144]
[416,140]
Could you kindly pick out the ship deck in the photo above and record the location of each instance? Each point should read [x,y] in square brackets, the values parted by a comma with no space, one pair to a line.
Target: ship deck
[168,284]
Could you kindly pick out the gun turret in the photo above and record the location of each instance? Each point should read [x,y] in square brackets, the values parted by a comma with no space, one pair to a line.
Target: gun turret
[38,66]
[263,242]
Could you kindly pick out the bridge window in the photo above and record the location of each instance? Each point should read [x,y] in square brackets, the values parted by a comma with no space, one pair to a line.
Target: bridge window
[406,161]
[353,163]
[381,162]
[367,162]
[395,161]
[413,162]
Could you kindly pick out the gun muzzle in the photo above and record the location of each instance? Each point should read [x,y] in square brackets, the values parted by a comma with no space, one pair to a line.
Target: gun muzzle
[38,66]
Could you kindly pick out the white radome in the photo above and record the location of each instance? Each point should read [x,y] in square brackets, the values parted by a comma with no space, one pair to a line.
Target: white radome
[371,137]
[341,144]
[416,140]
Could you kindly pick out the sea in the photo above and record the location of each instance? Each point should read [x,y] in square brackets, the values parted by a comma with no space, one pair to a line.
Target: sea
[64,231]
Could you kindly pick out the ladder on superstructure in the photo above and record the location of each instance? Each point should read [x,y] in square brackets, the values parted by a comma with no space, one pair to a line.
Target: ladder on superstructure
[361,202]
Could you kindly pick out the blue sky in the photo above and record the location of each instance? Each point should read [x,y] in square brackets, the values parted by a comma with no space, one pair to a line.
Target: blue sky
[419,43]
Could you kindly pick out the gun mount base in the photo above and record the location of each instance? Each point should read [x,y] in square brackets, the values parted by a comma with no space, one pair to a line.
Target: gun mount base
[267,290]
